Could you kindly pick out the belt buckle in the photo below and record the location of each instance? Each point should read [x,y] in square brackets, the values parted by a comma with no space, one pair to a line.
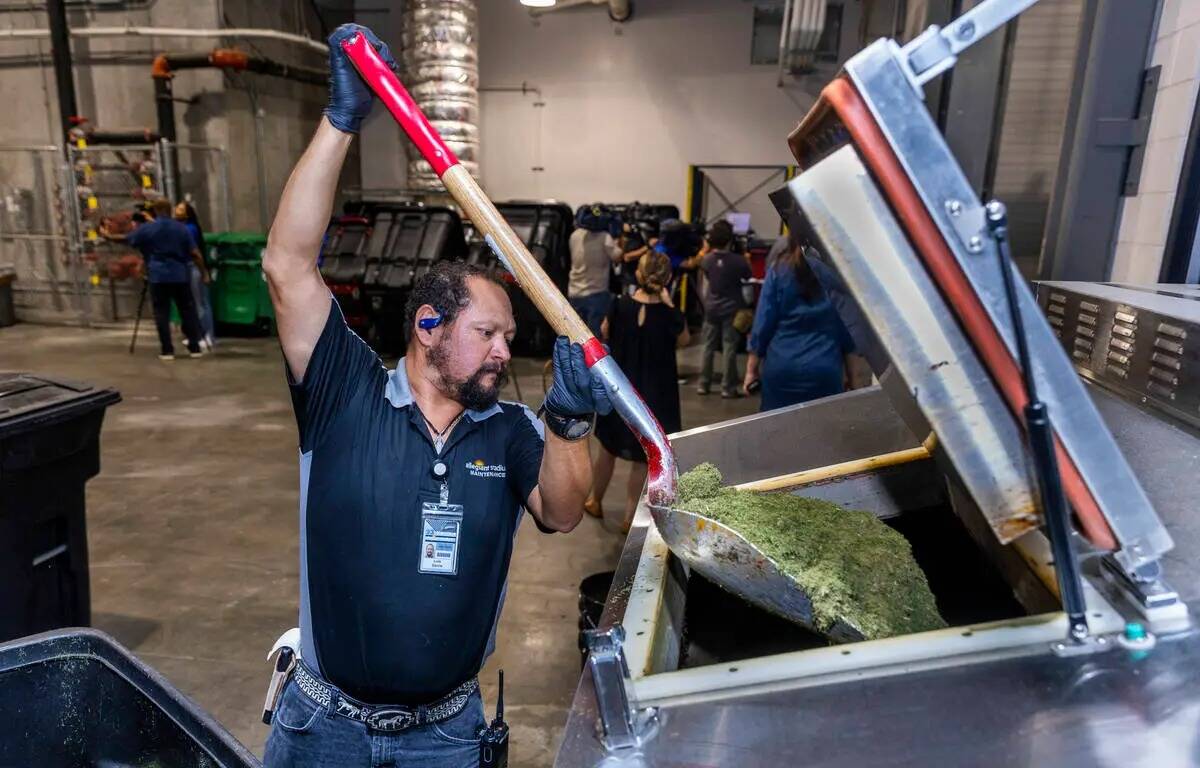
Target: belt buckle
[391,719]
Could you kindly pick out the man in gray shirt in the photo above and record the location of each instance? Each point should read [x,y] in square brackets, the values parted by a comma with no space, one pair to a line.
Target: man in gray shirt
[725,272]
[592,257]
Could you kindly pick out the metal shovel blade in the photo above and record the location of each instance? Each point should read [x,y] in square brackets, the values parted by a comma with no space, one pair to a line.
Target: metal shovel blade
[726,558]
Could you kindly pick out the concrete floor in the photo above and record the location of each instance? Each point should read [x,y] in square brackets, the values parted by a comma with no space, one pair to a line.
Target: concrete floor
[193,527]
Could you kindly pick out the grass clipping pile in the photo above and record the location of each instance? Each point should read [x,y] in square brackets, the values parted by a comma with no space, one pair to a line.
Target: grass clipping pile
[851,565]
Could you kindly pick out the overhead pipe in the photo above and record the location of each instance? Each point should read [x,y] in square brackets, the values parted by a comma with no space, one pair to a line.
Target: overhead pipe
[618,10]
[64,75]
[232,59]
[233,32]
[784,28]
[227,59]
[802,34]
[136,136]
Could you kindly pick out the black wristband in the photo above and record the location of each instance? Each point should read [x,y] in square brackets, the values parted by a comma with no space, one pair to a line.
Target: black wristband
[569,428]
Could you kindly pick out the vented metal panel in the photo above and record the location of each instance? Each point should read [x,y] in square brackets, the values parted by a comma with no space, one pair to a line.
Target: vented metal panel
[1141,341]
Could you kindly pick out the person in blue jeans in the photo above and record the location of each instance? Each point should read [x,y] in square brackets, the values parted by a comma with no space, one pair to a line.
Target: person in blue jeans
[185,213]
[798,345]
[167,249]
[413,484]
[593,255]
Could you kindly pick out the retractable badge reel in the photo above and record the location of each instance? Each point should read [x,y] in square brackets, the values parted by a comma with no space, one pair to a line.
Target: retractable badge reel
[441,525]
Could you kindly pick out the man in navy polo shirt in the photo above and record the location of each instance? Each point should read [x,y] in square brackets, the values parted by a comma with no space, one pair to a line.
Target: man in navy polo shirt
[413,483]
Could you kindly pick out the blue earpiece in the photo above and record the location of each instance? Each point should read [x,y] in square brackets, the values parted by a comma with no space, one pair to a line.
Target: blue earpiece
[429,323]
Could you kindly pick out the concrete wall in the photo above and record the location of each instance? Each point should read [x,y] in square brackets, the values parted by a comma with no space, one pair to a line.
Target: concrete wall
[1034,118]
[288,111]
[115,91]
[382,146]
[627,107]
[1146,218]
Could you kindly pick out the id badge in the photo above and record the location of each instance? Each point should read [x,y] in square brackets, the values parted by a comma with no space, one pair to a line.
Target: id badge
[441,525]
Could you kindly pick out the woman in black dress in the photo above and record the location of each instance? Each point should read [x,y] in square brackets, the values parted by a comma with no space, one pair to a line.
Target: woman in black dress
[642,332]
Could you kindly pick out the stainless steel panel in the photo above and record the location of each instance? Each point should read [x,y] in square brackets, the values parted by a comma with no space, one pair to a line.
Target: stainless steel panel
[1033,710]
[1037,710]
[1148,341]
[1166,457]
[948,197]
[852,425]
[884,493]
[939,369]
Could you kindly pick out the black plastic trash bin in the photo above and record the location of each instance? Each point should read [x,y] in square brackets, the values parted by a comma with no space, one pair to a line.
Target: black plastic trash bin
[77,699]
[407,239]
[344,265]
[49,449]
[546,229]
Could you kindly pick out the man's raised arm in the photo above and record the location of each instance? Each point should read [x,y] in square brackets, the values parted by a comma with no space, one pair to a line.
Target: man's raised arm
[290,263]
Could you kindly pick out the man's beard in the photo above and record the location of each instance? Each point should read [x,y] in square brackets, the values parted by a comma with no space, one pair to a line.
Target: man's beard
[471,393]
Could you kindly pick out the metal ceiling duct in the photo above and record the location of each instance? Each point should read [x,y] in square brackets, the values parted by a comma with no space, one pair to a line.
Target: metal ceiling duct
[804,21]
[441,70]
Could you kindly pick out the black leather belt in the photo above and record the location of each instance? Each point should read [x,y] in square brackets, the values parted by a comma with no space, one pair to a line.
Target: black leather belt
[389,717]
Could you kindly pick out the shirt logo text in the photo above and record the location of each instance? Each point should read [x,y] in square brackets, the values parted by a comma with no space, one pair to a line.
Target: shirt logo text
[480,468]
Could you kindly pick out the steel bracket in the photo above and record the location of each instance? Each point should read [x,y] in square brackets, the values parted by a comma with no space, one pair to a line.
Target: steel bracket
[1084,647]
[969,221]
[1144,585]
[936,50]
[622,726]
[1133,133]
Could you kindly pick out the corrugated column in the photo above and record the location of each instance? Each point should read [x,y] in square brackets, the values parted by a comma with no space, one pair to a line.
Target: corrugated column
[441,71]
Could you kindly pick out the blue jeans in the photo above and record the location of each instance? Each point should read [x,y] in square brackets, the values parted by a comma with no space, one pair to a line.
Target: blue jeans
[592,309]
[305,734]
[201,298]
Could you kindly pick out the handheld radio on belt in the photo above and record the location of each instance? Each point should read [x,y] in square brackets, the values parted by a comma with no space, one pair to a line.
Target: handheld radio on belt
[493,744]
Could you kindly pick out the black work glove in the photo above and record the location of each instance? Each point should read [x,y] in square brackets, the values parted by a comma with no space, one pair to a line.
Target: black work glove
[350,99]
[575,391]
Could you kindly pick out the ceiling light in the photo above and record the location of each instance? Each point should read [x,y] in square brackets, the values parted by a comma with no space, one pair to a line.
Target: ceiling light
[539,3]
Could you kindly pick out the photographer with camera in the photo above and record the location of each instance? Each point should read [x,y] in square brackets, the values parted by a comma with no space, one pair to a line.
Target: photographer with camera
[593,254]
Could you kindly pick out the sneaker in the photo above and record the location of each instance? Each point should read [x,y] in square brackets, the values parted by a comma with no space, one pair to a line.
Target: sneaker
[730,394]
[166,358]
[196,355]
[703,389]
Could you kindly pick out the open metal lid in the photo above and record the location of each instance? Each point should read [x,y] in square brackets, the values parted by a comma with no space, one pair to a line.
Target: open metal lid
[896,217]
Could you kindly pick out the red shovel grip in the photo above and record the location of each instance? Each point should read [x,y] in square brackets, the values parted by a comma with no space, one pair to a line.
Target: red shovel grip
[383,81]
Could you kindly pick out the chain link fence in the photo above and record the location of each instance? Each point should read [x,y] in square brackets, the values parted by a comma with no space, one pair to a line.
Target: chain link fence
[51,211]
[36,239]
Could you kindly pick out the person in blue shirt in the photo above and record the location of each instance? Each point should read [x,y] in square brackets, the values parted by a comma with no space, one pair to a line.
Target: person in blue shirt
[168,252]
[798,344]
[414,481]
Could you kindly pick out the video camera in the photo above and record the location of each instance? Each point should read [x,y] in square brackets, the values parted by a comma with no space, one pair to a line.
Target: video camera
[598,217]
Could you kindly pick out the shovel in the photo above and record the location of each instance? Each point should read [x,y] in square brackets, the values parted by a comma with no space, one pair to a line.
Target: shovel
[516,258]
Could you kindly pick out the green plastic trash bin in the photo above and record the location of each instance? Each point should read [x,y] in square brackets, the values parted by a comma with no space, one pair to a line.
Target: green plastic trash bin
[239,288]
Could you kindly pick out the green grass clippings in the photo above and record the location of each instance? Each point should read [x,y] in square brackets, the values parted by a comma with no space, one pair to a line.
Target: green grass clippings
[852,566]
